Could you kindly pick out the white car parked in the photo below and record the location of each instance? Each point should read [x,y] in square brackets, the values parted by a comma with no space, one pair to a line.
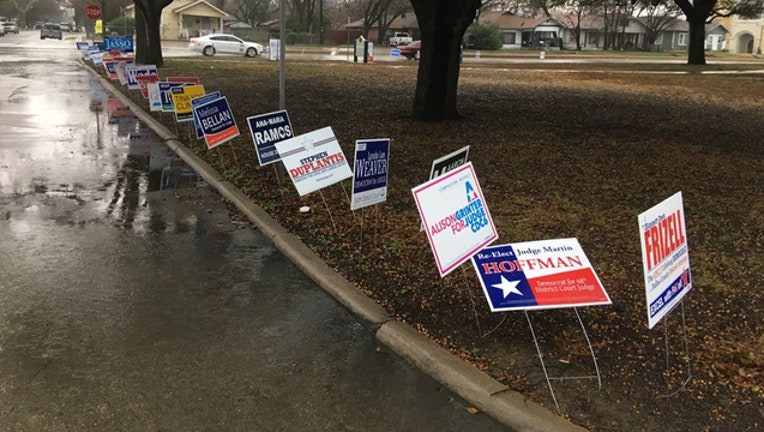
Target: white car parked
[224,44]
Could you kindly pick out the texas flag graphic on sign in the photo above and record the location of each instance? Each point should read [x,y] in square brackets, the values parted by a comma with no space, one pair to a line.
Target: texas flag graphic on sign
[538,275]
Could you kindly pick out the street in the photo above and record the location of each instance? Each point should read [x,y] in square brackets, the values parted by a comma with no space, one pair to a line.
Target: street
[133,299]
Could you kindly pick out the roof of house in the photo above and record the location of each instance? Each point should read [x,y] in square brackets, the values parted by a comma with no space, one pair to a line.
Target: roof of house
[508,20]
[181,8]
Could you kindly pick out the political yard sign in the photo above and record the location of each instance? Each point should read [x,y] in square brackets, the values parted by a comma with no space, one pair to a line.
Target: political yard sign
[538,275]
[133,71]
[455,216]
[124,44]
[314,160]
[267,130]
[448,163]
[181,101]
[665,258]
[201,100]
[218,124]
[372,159]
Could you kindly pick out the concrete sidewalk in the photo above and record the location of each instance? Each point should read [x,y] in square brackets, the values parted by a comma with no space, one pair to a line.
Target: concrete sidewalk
[487,394]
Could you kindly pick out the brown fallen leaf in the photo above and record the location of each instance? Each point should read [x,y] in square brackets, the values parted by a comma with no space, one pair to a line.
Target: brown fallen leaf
[472,410]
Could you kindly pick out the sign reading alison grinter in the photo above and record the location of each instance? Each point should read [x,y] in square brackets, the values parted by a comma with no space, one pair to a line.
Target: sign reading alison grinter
[455,217]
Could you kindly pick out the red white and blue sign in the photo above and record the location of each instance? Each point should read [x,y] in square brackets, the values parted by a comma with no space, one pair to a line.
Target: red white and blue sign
[455,216]
[665,258]
[372,159]
[543,274]
[218,124]
[267,130]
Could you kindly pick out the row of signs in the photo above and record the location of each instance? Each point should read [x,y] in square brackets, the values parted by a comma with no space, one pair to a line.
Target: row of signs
[517,276]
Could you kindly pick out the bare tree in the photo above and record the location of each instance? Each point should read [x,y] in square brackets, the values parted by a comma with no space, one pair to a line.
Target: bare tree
[382,13]
[252,11]
[656,15]
[23,6]
[700,12]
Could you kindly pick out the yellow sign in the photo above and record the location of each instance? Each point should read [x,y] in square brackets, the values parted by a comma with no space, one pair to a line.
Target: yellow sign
[181,100]
[98,27]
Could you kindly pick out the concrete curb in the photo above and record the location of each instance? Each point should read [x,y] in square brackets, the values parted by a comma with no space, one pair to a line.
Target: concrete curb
[487,394]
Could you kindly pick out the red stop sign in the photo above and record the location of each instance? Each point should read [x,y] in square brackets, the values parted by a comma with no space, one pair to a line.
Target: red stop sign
[93,11]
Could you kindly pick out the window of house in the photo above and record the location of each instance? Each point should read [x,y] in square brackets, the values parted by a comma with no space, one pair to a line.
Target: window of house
[659,39]
[509,38]
[682,39]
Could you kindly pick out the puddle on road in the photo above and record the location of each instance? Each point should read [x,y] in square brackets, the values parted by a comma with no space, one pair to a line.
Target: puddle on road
[85,157]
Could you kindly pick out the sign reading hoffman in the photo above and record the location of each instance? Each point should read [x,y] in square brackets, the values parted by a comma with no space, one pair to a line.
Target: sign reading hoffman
[538,275]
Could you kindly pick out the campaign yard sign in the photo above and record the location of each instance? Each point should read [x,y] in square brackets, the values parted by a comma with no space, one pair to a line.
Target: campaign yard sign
[218,124]
[267,130]
[133,71]
[143,84]
[542,274]
[165,97]
[181,100]
[155,98]
[118,44]
[456,217]
[314,160]
[201,100]
[372,160]
[665,258]
[449,162]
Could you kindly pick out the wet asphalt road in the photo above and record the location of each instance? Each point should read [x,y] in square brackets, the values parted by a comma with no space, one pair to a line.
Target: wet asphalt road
[130,301]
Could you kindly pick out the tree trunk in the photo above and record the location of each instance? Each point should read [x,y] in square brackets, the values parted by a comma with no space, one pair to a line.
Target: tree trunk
[141,39]
[697,12]
[152,13]
[442,24]
[696,53]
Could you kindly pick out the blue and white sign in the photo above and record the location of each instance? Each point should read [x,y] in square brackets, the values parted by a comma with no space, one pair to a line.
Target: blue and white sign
[165,96]
[201,100]
[218,124]
[267,130]
[372,160]
[118,43]
[665,258]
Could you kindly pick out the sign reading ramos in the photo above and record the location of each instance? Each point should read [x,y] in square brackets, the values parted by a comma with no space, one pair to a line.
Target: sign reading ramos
[538,275]
[455,217]
[665,259]
[314,160]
